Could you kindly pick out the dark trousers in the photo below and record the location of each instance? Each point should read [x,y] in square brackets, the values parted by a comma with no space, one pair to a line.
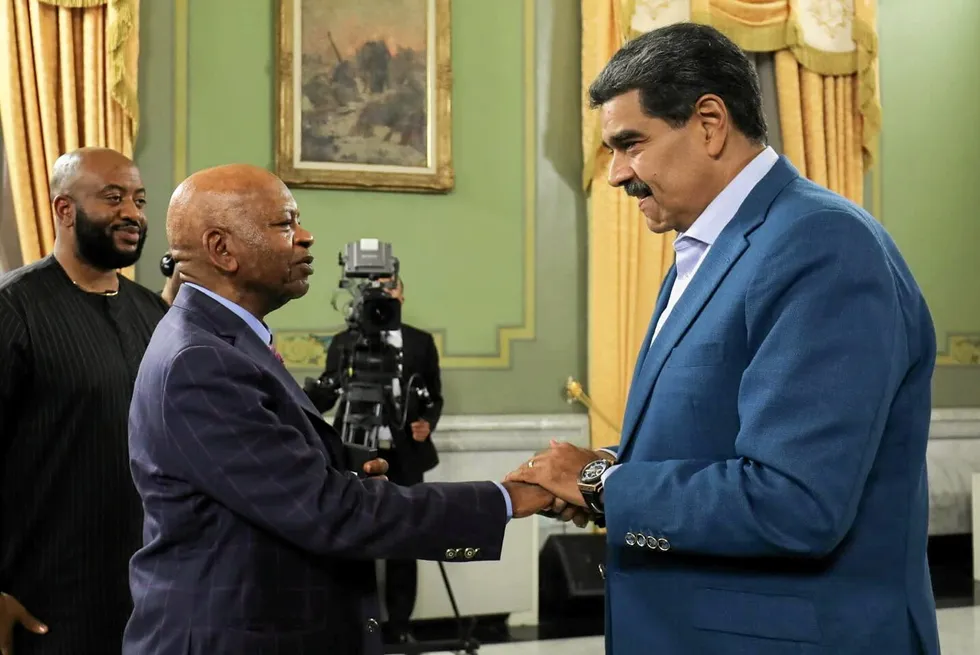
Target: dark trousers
[401,575]
[401,583]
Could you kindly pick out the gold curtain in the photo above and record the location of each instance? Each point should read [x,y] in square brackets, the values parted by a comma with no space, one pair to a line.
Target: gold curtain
[626,261]
[67,80]
[822,132]
[826,60]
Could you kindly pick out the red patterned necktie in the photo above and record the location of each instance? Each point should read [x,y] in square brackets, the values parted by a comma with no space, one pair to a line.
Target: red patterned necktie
[272,347]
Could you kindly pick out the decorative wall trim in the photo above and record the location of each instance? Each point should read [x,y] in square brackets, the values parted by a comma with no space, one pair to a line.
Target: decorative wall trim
[953,456]
[508,432]
[961,350]
[497,433]
[955,423]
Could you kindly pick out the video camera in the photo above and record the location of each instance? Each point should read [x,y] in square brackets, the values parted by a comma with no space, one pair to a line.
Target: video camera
[369,364]
[373,310]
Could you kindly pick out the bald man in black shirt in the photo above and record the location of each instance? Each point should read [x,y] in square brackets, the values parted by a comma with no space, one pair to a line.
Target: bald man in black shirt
[72,335]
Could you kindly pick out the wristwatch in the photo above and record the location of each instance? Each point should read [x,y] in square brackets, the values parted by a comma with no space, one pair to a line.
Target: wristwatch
[590,484]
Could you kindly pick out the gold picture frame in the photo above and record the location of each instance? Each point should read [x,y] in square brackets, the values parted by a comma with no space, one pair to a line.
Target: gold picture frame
[352,105]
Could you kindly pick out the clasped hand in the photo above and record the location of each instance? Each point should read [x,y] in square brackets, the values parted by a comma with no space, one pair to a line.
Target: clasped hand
[546,484]
[376,468]
[556,470]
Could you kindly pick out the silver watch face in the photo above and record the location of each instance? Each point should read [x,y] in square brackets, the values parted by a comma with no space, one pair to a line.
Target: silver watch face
[594,470]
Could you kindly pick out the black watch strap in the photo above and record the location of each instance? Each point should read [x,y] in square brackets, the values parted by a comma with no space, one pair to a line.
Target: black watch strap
[590,484]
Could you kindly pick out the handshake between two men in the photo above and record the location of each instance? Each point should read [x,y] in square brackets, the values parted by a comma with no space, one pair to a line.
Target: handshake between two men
[564,471]
[548,483]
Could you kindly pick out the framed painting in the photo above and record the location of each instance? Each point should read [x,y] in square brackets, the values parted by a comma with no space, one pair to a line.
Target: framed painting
[365,95]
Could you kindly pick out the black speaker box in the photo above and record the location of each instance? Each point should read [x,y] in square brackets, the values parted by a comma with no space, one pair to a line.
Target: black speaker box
[569,575]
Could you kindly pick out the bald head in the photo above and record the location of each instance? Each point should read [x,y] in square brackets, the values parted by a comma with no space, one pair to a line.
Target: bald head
[235,229]
[229,198]
[76,168]
[97,198]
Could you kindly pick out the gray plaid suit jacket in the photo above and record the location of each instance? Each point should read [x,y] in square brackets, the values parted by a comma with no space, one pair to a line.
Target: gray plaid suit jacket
[254,540]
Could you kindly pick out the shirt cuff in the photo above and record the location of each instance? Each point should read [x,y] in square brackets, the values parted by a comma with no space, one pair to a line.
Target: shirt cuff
[510,505]
[608,472]
[611,452]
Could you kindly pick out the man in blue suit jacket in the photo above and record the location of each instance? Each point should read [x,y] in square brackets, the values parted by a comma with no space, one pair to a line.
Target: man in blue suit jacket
[768,495]
[256,540]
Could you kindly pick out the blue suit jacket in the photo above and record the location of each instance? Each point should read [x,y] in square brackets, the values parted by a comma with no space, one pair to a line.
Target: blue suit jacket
[772,495]
[254,541]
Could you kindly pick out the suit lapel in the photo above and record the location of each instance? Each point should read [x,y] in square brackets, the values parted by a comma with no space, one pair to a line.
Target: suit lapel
[250,343]
[261,352]
[662,299]
[232,328]
[632,407]
[728,247]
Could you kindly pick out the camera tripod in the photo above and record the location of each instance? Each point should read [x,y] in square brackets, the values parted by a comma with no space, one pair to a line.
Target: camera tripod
[465,642]
[368,399]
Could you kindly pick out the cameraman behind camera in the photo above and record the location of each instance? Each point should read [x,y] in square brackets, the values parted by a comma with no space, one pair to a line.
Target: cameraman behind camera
[408,450]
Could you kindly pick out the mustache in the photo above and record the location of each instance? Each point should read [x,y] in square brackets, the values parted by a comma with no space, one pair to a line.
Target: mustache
[637,189]
[128,222]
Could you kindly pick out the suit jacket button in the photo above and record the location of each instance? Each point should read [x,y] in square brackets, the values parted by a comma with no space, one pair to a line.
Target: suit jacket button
[641,540]
[372,625]
[450,553]
[652,543]
[663,544]
[602,571]
[469,553]
[630,539]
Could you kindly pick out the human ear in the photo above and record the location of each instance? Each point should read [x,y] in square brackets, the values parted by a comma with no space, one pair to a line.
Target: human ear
[216,243]
[713,121]
[64,210]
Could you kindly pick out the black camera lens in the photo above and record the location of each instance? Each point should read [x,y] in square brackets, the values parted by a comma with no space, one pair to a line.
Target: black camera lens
[382,313]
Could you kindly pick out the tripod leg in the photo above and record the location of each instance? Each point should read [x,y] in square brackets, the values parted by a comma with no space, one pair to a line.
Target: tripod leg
[466,635]
[449,589]
[465,643]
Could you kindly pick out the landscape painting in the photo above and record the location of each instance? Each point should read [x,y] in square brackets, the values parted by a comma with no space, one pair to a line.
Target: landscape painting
[364,94]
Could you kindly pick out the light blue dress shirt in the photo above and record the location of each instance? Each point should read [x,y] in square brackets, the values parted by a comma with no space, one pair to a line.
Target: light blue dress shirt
[265,335]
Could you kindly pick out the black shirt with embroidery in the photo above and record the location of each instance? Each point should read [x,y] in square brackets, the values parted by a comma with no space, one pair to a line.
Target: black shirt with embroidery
[70,517]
